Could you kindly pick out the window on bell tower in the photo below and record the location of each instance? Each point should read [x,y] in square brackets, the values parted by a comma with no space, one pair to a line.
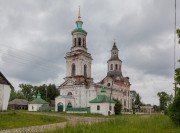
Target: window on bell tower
[111,66]
[116,66]
[79,41]
[69,94]
[73,72]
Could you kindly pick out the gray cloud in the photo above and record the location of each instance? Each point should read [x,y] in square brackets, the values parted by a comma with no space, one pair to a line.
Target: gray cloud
[35,36]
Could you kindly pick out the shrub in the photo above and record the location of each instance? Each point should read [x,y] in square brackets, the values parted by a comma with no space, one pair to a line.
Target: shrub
[117,107]
[174,110]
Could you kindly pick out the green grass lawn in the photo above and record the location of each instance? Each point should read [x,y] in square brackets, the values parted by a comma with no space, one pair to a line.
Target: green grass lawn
[9,120]
[126,124]
[86,114]
[77,114]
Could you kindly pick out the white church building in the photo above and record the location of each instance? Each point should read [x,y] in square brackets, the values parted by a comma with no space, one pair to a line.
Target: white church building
[78,89]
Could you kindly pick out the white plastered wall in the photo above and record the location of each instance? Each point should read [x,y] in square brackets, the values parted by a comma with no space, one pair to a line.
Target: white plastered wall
[4,96]
[34,107]
[104,108]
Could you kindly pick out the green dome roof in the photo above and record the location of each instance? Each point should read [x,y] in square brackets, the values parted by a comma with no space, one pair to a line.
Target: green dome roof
[79,30]
[38,100]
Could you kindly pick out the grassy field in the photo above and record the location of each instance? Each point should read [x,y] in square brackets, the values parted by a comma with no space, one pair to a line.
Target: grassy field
[75,114]
[126,124]
[9,120]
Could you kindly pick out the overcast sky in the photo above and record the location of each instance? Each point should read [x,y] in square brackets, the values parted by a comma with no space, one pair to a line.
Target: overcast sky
[36,34]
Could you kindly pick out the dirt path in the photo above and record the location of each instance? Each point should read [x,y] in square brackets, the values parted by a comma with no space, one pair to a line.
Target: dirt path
[72,120]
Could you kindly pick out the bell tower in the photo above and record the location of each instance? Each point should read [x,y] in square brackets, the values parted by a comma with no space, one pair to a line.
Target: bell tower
[78,60]
[114,63]
[79,35]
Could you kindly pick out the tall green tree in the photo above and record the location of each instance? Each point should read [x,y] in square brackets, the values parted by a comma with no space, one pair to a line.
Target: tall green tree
[117,107]
[52,91]
[27,90]
[48,92]
[174,108]
[178,34]
[136,100]
[164,100]
[16,95]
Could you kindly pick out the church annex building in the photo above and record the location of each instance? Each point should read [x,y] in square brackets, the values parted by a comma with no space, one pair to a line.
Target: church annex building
[78,88]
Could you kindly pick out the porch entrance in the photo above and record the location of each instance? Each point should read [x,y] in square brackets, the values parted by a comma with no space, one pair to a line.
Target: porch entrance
[60,107]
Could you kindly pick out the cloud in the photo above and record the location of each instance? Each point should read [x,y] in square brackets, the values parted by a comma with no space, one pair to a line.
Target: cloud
[35,36]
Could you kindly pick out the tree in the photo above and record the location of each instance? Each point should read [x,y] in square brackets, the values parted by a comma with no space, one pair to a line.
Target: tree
[52,91]
[174,108]
[27,90]
[48,92]
[16,95]
[117,107]
[136,100]
[164,100]
[156,108]
[178,34]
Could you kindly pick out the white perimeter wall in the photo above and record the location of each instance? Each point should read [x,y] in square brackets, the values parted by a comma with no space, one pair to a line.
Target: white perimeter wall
[104,108]
[4,96]
[34,107]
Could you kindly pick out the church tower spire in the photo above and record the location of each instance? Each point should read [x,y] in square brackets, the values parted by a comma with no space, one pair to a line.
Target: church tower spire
[78,60]
[114,63]
[79,35]
[79,15]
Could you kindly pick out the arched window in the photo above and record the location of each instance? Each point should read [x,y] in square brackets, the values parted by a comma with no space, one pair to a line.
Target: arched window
[74,41]
[85,70]
[69,94]
[116,67]
[111,66]
[124,102]
[119,67]
[108,84]
[73,72]
[79,41]
[69,105]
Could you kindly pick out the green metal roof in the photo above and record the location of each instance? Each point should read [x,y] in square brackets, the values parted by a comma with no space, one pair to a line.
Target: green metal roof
[102,99]
[38,101]
[79,29]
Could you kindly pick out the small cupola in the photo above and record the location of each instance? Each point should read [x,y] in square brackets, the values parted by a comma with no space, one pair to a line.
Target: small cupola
[38,95]
[103,91]
[114,63]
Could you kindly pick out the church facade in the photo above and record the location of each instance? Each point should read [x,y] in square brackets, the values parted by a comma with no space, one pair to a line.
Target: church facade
[78,88]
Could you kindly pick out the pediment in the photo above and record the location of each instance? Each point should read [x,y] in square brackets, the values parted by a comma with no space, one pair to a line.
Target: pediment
[3,80]
[67,83]
[108,80]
